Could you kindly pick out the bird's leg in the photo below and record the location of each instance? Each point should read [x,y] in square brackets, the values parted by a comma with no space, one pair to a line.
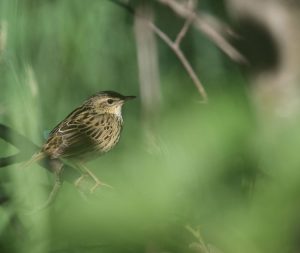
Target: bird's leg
[57,167]
[87,172]
[78,180]
[84,174]
[55,189]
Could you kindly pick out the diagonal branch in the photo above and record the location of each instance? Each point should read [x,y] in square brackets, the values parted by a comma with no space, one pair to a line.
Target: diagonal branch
[176,49]
[198,237]
[209,26]
[184,30]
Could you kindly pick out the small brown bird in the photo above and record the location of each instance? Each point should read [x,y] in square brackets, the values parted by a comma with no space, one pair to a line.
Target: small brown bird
[89,131]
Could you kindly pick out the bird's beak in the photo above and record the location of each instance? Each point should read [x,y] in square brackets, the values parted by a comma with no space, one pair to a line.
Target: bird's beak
[126,98]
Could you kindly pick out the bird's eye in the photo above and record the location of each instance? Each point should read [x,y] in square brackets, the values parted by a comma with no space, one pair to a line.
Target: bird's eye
[110,101]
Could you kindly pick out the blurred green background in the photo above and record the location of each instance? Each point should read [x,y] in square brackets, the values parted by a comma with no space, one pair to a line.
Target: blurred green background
[214,167]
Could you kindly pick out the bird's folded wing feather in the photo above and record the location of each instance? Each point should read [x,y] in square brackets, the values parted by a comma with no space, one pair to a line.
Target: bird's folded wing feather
[73,138]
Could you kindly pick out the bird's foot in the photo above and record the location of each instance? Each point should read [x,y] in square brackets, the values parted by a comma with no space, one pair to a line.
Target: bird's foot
[99,184]
[78,180]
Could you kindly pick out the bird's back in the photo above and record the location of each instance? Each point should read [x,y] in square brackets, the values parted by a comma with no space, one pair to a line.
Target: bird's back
[83,134]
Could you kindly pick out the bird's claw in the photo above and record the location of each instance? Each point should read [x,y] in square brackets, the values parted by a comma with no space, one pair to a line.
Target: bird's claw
[78,180]
[99,184]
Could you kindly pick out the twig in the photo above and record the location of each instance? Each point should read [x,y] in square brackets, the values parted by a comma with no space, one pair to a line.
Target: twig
[184,30]
[204,24]
[176,49]
[197,235]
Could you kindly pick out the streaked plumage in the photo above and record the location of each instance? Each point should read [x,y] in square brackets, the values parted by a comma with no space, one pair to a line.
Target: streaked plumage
[83,135]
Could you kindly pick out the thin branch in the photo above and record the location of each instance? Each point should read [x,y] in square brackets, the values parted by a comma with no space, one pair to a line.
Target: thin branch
[184,30]
[204,24]
[191,5]
[220,41]
[182,58]
[197,235]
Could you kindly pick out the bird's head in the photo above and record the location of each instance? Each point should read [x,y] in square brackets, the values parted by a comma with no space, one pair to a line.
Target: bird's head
[108,102]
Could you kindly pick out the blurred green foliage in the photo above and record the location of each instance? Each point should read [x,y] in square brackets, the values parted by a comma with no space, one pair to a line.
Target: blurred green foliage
[214,166]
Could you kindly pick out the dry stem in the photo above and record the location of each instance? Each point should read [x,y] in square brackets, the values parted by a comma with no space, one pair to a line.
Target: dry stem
[197,235]
[208,26]
[176,49]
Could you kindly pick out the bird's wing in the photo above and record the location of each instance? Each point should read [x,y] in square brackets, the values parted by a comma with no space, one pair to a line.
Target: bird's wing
[73,137]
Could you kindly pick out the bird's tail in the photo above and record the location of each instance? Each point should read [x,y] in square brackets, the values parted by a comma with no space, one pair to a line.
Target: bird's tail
[35,158]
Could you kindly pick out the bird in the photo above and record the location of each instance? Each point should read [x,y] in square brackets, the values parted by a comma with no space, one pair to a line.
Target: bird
[89,131]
